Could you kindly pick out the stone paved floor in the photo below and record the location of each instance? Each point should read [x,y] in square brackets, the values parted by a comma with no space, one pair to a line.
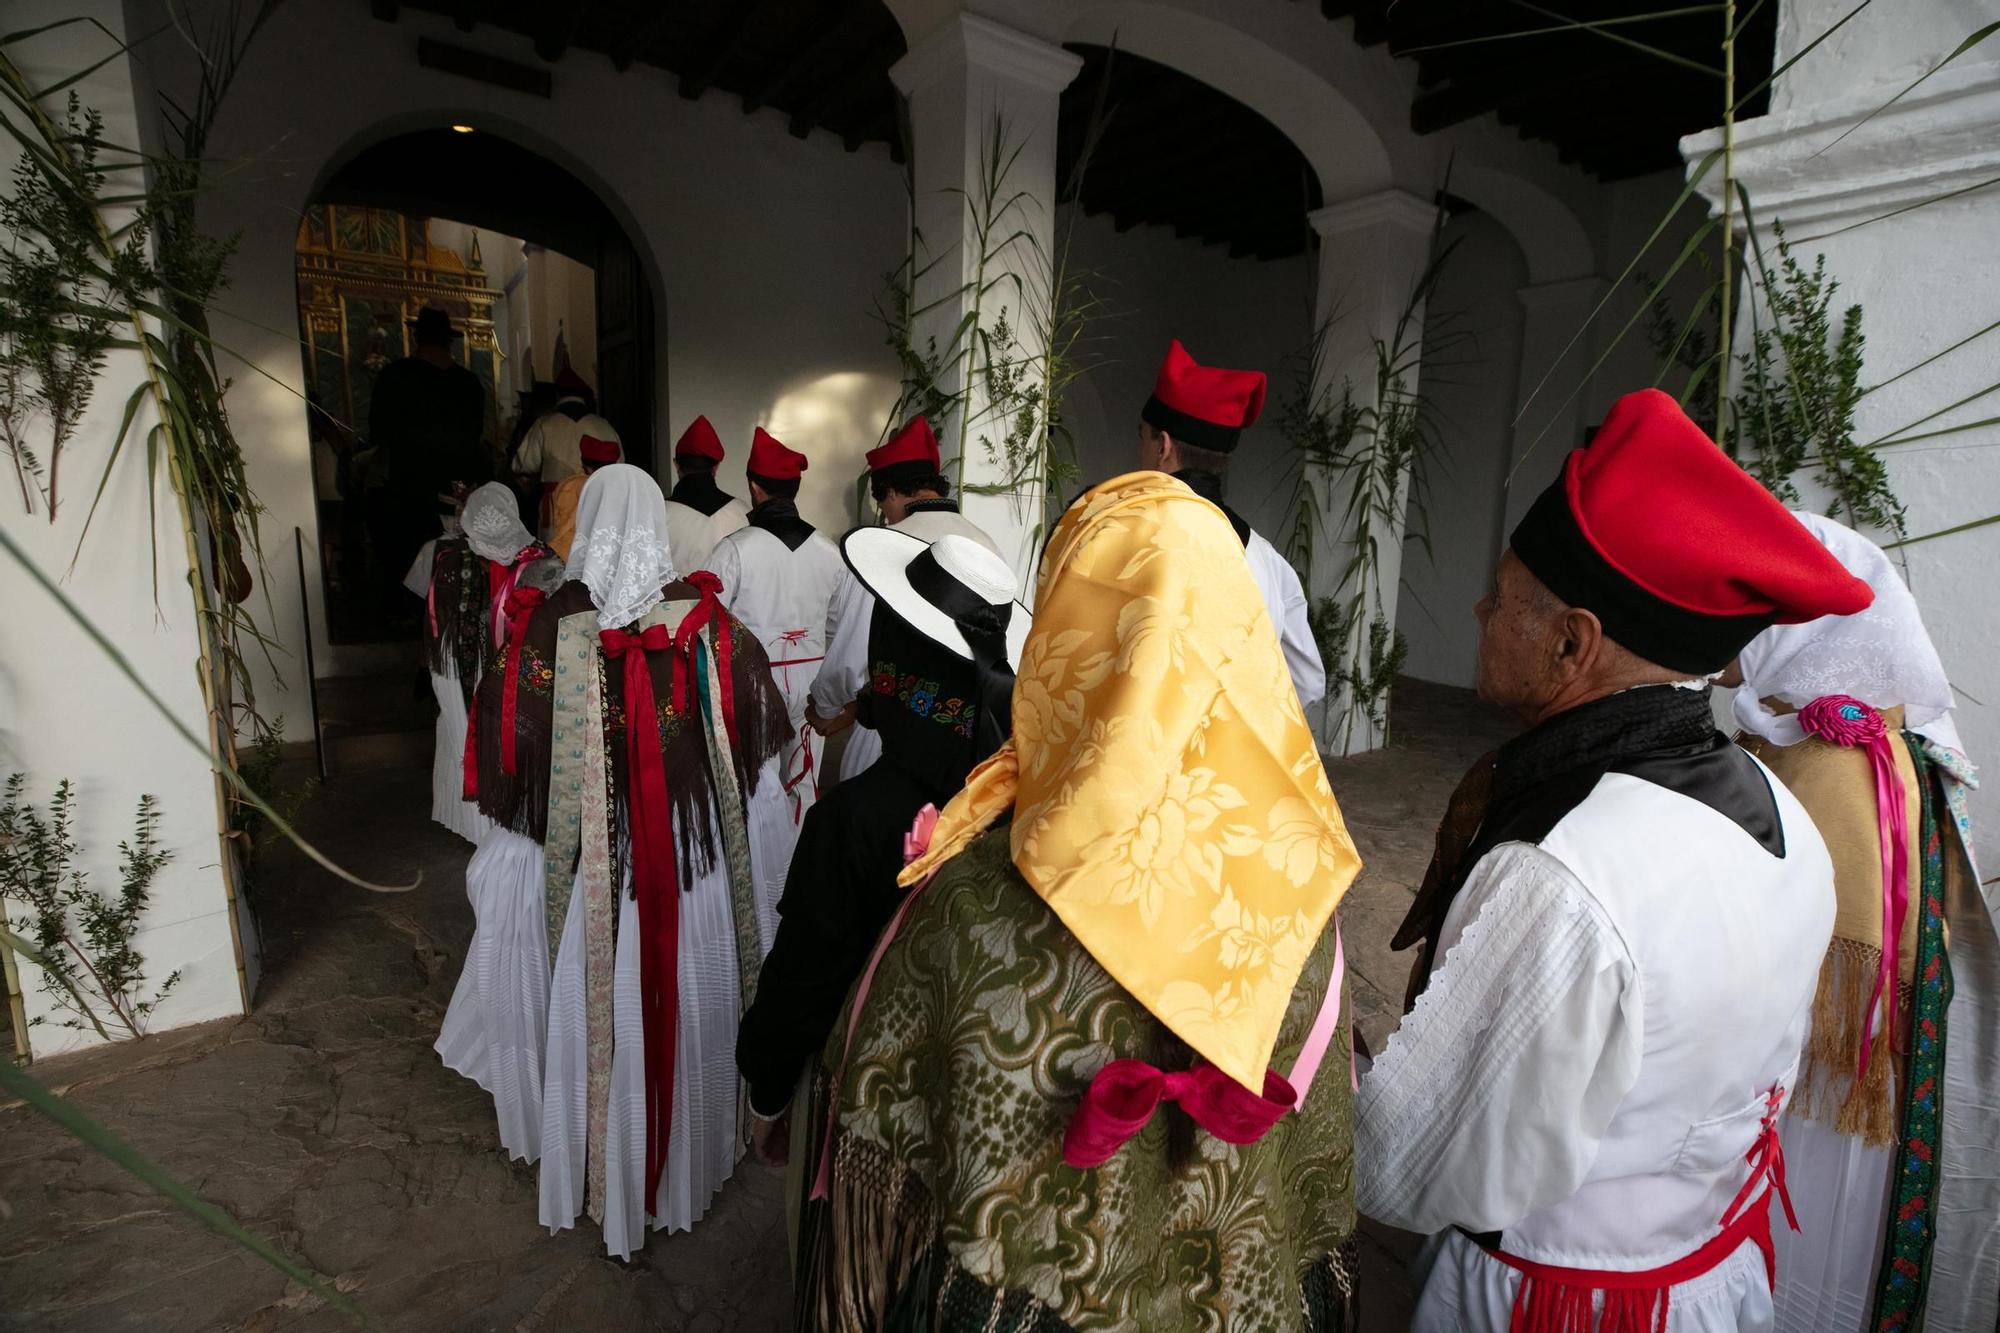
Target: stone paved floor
[325,1122]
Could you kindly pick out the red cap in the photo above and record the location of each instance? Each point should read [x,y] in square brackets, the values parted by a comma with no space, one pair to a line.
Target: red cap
[569,384]
[700,441]
[595,450]
[913,451]
[769,458]
[1678,551]
[1206,406]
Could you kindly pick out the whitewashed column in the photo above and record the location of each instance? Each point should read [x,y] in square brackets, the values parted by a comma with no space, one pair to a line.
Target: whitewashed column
[1372,252]
[969,80]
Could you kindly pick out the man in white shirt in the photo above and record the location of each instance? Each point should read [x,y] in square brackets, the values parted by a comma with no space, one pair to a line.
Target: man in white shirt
[906,477]
[1583,1103]
[1190,427]
[553,447]
[779,577]
[699,513]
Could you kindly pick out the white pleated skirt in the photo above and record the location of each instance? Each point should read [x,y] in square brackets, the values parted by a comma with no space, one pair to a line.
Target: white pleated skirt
[774,833]
[1466,1290]
[702,1145]
[498,1019]
[1840,1189]
[448,804]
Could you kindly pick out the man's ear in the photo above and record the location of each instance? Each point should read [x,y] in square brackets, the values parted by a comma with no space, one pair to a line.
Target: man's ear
[1170,453]
[1580,642]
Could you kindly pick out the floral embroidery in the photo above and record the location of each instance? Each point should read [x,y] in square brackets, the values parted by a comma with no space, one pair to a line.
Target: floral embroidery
[537,672]
[923,697]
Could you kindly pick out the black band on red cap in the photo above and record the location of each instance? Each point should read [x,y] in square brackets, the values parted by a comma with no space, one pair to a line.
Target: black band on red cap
[904,471]
[1554,549]
[1190,430]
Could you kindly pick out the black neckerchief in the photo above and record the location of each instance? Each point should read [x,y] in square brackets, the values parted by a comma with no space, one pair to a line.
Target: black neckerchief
[698,491]
[930,507]
[1660,733]
[1209,487]
[780,517]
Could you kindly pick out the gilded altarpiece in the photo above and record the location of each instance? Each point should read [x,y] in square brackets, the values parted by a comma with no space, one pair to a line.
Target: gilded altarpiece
[363,273]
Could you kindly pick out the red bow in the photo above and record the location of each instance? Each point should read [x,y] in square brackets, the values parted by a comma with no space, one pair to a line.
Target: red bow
[655,882]
[521,604]
[708,609]
[1125,1093]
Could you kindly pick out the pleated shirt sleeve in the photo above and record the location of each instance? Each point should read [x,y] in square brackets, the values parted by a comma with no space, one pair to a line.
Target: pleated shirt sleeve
[1491,1100]
[844,673]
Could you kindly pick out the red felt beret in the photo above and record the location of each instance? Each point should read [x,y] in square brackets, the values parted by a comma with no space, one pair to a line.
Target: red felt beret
[770,458]
[913,444]
[569,383]
[1678,551]
[595,450]
[1205,406]
[699,440]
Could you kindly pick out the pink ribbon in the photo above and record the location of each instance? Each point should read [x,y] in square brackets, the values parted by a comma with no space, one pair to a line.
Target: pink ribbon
[1125,1093]
[1840,719]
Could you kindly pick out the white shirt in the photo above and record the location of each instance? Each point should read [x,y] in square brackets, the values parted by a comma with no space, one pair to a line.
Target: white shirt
[786,597]
[692,535]
[1285,599]
[553,446]
[1588,1067]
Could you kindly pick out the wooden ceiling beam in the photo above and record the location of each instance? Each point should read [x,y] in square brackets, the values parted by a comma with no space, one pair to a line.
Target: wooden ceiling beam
[724,38]
[803,58]
[465,15]
[640,37]
[559,29]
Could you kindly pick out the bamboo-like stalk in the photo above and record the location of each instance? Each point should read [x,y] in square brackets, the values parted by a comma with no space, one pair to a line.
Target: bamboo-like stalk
[197,579]
[1723,347]
[17,1009]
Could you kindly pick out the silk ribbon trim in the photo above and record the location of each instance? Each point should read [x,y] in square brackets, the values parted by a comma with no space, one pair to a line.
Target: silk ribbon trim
[654,882]
[1840,719]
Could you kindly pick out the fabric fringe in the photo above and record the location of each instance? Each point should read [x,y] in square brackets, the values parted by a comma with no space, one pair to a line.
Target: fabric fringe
[880,1225]
[1828,1092]
[1558,1307]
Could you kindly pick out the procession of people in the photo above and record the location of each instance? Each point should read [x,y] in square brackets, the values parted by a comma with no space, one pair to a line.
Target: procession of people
[1040,999]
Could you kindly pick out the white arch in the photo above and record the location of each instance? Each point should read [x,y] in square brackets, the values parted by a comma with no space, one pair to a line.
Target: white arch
[1337,138]
[1555,243]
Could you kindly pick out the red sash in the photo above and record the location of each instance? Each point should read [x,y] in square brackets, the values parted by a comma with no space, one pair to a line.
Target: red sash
[1555,1299]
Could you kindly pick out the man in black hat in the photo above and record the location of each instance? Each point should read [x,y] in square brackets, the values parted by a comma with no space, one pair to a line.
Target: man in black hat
[427,421]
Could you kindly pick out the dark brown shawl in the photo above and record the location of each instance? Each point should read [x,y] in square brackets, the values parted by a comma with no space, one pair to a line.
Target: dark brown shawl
[520,800]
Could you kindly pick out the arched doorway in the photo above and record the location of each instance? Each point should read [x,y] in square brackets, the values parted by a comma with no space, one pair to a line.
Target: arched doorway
[538,275]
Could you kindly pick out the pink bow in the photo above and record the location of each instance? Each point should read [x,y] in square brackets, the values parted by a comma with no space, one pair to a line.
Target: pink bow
[1125,1093]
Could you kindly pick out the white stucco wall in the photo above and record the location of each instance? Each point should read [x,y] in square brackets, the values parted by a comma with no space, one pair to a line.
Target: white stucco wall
[767,251]
[1472,358]
[65,710]
[1903,208]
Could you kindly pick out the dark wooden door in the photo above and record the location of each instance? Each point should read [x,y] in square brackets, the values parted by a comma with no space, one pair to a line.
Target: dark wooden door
[625,369]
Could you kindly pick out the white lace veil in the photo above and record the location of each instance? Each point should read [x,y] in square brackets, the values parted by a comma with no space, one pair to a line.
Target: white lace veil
[620,551]
[491,521]
[1881,656]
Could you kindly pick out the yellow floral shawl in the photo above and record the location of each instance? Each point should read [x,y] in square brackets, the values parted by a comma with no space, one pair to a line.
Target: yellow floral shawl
[1169,802]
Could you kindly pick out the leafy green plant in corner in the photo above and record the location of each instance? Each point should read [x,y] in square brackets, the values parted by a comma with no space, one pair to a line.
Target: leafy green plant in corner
[82,941]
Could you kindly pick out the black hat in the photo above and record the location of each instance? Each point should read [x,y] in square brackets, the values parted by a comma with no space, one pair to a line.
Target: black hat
[432,325]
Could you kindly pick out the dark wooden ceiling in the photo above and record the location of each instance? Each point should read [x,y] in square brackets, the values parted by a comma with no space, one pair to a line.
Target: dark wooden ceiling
[1607,105]
[1172,151]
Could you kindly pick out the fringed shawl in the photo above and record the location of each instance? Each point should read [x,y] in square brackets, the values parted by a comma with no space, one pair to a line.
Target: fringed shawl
[950,1206]
[1836,785]
[519,800]
[455,615]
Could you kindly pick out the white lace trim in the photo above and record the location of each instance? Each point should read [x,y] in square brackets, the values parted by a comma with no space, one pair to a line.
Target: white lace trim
[1526,948]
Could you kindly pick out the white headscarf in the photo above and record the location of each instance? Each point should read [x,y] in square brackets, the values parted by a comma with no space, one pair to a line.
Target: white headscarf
[1881,656]
[620,551]
[492,523]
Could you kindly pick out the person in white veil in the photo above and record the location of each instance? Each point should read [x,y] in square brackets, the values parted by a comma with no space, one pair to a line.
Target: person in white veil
[493,1029]
[466,579]
[1897,1188]
[628,724]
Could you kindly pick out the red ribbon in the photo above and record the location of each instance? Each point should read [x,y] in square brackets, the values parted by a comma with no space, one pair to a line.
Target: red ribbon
[1767,1161]
[1843,720]
[1125,1093]
[708,609]
[655,883]
[521,604]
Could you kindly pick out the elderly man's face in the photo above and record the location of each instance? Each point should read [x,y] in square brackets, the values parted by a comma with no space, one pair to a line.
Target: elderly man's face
[1518,640]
